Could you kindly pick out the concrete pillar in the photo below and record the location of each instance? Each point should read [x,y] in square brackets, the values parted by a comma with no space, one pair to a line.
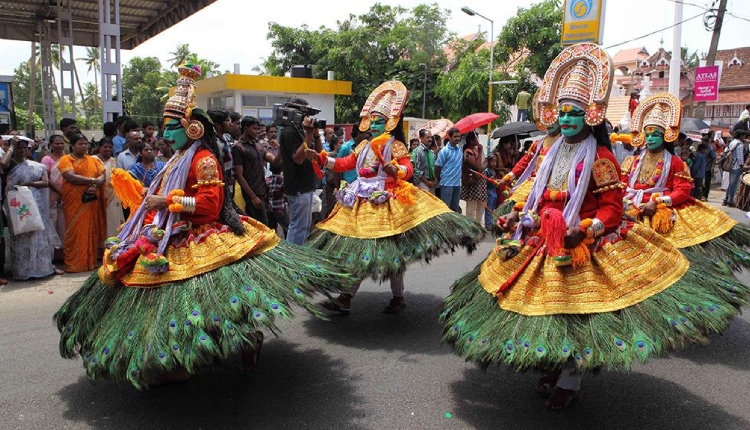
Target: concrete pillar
[48,81]
[67,60]
[109,47]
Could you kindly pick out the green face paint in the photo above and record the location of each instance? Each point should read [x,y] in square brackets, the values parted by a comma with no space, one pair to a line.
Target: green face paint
[554,129]
[175,132]
[654,140]
[572,121]
[377,126]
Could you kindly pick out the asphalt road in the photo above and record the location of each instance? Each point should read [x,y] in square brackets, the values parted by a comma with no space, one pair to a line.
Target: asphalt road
[365,371]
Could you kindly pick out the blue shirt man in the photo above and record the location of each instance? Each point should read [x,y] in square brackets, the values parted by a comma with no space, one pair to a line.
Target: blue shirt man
[448,171]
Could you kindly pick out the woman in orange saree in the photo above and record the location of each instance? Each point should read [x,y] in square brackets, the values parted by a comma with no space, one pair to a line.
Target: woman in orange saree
[83,177]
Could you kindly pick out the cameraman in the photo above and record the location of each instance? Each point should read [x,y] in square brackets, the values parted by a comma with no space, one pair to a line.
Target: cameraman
[299,176]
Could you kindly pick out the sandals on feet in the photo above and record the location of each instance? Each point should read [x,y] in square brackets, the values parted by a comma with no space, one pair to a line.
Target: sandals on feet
[395,306]
[59,272]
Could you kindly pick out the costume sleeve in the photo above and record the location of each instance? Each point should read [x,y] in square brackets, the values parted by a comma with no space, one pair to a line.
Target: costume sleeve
[209,191]
[401,155]
[608,189]
[344,164]
[520,167]
[682,184]
[625,167]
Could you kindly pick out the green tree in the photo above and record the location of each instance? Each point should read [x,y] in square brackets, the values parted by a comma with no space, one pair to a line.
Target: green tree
[139,79]
[22,115]
[387,42]
[536,30]
[465,89]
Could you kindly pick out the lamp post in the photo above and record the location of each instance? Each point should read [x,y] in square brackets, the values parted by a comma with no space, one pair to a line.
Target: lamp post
[471,12]
[424,88]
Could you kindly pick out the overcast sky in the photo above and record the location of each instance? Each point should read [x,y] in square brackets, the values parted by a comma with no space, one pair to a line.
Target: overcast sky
[234,31]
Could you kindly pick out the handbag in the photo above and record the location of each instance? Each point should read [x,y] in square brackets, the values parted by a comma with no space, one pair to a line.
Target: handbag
[23,211]
[86,197]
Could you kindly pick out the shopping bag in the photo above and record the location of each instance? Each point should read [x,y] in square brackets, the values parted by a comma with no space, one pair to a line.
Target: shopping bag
[23,211]
[317,202]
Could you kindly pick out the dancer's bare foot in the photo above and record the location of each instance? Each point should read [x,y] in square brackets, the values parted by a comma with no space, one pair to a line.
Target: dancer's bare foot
[175,376]
[395,306]
[546,383]
[342,304]
[560,398]
[250,356]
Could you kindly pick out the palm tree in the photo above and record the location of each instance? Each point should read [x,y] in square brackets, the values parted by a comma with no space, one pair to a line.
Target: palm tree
[91,102]
[180,54]
[92,61]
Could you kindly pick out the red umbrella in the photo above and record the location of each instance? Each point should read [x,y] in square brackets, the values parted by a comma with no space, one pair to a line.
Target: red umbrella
[475,120]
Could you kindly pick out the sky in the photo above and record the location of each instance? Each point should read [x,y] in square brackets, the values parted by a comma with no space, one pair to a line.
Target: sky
[234,31]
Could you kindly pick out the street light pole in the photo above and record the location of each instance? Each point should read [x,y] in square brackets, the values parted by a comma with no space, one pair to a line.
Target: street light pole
[424,89]
[471,12]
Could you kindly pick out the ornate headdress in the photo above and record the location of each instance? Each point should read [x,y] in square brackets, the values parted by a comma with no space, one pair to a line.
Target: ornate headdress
[661,110]
[181,104]
[536,110]
[389,100]
[581,75]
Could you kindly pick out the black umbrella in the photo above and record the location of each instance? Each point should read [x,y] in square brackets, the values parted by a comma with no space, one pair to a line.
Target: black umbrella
[512,128]
[693,124]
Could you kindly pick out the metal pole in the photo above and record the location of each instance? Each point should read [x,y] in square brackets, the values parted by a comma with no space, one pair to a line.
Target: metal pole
[424,91]
[675,64]
[489,101]
[700,109]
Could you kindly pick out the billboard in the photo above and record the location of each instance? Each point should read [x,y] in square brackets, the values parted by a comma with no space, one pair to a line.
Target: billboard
[582,22]
[706,86]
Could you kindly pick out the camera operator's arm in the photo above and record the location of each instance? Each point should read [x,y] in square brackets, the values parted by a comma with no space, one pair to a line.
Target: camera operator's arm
[300,154]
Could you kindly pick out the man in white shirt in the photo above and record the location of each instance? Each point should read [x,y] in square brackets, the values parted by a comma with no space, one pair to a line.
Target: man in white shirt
[128,157]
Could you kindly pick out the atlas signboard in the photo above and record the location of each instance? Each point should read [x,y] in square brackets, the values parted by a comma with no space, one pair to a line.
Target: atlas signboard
[582,21]
[706,87]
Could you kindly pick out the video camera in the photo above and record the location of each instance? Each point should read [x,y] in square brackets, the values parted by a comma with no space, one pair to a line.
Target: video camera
[296,113]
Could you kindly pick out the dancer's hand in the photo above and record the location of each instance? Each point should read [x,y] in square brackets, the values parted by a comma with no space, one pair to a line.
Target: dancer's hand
[155,202]
[507,222]
[649,209]
[573,237]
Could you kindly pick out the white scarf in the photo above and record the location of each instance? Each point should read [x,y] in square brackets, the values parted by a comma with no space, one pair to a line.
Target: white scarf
[636,196]
[586,153]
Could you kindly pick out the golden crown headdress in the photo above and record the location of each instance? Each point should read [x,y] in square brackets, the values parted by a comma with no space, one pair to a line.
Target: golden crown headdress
[389,100]
[662,110]
[582,75]
[181,104]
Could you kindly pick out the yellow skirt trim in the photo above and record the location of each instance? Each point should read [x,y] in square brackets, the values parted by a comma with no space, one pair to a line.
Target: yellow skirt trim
[619,275]
[522,192]
[697,224]
[370,221]
[216,250]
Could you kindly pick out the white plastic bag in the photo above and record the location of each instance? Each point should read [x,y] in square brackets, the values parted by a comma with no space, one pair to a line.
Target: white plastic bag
[317,203]
[23,211]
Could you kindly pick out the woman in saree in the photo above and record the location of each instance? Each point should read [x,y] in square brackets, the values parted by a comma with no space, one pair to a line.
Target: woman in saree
[56,214]
[32,251]
[113,214]
[83,178]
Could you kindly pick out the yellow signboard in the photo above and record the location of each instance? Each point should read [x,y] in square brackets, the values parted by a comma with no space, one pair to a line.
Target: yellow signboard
[582,21]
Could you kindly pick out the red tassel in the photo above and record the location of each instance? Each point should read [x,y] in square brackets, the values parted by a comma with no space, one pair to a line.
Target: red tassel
[553,230]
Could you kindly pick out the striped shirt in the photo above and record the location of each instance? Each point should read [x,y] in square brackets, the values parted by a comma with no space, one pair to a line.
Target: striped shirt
[450,159]
[138,171]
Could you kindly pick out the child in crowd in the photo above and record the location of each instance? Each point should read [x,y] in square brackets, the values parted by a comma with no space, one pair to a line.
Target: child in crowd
[492,190]
[698,170]
[278,214]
